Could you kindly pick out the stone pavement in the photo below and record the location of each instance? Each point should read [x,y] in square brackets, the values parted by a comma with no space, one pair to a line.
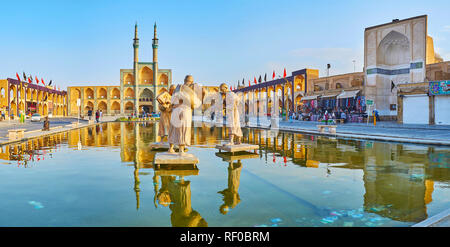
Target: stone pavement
[32,129]
[31,126]
[440,134]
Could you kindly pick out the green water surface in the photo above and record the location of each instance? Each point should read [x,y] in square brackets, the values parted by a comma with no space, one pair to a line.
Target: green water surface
[104,176]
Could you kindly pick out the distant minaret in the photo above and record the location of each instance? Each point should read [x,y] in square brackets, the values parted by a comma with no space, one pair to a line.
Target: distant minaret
[135,68]
[155,67]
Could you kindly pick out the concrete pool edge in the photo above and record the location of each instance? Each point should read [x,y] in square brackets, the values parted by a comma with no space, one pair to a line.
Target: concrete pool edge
[40,133]
[436,220]
[363,136]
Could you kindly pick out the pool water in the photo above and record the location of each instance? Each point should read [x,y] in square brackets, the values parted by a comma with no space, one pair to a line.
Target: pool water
[104,176]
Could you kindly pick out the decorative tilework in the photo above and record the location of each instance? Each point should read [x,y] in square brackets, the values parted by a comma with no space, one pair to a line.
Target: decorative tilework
[417,65]
[439,87]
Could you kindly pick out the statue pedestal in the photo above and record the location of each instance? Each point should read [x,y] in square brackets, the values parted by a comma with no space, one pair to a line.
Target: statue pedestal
[230,157]
[237,147]
[174,159]
[161,146]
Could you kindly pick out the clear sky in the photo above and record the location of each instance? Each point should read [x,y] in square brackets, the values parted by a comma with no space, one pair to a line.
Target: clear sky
[88,42]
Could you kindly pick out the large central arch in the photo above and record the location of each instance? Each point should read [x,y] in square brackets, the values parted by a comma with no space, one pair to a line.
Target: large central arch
[394,50]
[146,95]
[146,76]
[146,100]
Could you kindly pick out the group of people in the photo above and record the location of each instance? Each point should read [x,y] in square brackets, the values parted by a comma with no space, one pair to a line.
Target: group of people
[98,115]
[324,114]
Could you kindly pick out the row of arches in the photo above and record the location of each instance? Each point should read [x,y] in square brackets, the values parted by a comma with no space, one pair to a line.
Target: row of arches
[42,109]
[297,85]
[32,95]
[145,99]
[114,93]
[145,77]
[103,106]
[102,93]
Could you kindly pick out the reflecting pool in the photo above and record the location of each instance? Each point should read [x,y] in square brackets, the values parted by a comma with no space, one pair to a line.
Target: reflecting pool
[104,176]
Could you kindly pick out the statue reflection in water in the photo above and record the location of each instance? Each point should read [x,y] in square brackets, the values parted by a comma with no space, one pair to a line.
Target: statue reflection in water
[230,195]
[176,194]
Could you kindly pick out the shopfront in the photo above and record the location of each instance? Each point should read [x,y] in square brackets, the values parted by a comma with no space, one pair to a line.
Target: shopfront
[441,92]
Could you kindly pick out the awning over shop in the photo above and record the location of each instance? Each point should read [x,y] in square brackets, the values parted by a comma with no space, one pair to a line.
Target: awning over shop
[348,94]
[310,97]
[329,96]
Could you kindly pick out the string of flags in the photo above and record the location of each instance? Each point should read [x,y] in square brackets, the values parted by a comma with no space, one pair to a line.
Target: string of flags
[260,80]
[30,79]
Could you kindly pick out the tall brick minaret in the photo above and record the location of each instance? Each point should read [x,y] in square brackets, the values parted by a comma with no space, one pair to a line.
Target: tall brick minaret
[155,67]
[135,69]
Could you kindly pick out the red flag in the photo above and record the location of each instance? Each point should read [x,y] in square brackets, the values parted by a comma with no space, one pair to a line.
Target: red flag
[42,80]
[37,80]
[255,80]
[249,83]
[284,74]
[18,78]
[29,79]
[273,75]
[231,88]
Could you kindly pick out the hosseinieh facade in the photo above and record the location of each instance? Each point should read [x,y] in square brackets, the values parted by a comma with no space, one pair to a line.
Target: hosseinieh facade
[137,91]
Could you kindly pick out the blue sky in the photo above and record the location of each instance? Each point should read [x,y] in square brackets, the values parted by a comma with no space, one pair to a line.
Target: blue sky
[88,42]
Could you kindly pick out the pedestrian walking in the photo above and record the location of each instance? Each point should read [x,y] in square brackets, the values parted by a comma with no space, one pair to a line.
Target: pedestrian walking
[97,115]
[377,116]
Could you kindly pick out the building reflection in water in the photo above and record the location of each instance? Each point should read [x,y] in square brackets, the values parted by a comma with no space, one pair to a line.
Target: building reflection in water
[398,179]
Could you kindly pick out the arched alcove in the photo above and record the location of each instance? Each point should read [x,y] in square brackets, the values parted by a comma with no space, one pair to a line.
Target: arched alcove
[163,79]
[146,76]
[115,93]
[394,49]
[128,79]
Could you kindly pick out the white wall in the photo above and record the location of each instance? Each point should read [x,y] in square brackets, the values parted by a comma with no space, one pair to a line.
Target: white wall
[442,109]
[416,109]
